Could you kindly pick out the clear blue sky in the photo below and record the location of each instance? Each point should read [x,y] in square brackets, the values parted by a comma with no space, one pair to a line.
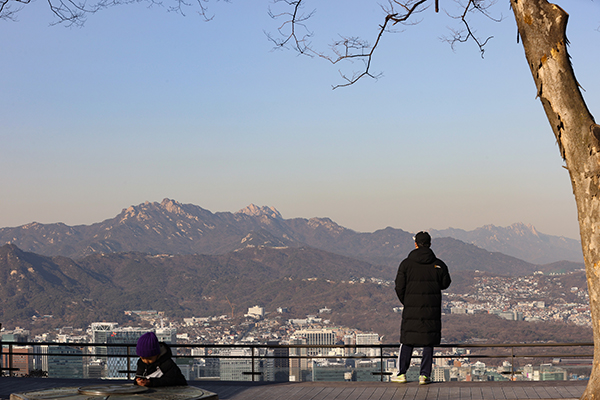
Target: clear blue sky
[142,104]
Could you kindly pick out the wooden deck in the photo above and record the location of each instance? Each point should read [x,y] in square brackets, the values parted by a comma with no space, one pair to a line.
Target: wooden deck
[343,390]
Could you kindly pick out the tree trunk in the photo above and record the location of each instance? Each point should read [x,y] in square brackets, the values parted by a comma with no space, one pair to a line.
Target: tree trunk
[542,28]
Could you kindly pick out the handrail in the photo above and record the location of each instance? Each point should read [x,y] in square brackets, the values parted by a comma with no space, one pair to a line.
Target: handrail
[254,346]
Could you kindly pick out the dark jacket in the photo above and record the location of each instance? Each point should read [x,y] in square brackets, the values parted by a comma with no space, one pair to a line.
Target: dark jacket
[162,372]
[419,283]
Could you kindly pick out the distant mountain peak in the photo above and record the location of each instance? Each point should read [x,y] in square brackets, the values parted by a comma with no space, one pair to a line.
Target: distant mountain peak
[134,212]
[327,224]
[518,240]
[140,212]
[256,211]
[516,229]
[172,206]
[524,229]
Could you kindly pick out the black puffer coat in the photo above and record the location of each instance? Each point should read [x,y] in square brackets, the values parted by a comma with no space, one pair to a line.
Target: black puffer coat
[419,283]
[162,372]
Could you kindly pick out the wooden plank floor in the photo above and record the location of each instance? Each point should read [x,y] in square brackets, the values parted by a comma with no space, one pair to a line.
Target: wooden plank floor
[390,391]
[343,390]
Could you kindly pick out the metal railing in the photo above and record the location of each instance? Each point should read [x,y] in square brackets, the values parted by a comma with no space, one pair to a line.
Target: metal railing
[7,353]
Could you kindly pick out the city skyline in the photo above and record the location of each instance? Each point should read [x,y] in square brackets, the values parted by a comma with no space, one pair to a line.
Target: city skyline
[277,326]
[142,104]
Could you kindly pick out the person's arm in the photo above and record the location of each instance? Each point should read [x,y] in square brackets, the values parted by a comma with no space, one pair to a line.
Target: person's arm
[401,282]
[172,375]
[139,372]
[445,279]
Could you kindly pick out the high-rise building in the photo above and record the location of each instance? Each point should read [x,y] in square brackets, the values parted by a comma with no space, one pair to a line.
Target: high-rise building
[440,374]
[368,339]
[368,370]
[278,367]
[65,362]
[40,362]
[16,336]
[167,335]
[110,333]
[207,368]
[317,337]
[349,340]
[298,366]
[549,372]
[331,372]
[99,334]
[22,360]
[128,361]
[94,369]
[240,369]
[365,370]
[101,330]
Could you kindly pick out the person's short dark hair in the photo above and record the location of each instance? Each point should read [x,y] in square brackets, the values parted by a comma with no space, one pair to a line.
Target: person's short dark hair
[422,239]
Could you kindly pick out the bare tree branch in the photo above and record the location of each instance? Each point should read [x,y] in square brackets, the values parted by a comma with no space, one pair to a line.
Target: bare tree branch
[7,12]
[293,31]
[354,48]
[467,33]
[75,12]
[350,48]
[294,21]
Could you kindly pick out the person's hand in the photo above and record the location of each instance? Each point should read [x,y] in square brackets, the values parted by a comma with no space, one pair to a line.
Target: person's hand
[142,381]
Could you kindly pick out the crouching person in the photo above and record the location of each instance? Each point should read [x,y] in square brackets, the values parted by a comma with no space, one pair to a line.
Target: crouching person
[155,366]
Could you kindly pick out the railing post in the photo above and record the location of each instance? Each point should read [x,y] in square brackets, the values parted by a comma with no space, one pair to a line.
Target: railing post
[10,359]
[381,362]
[512,363]
[252,353]
[128,362]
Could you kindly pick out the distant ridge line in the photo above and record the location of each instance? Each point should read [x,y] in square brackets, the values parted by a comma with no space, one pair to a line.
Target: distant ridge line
[170,227]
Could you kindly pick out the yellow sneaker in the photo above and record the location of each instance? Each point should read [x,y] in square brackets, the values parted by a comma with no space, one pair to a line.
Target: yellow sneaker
[398,378]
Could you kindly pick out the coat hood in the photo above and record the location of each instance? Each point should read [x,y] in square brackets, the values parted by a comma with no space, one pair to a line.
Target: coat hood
[165,351]
[422,255]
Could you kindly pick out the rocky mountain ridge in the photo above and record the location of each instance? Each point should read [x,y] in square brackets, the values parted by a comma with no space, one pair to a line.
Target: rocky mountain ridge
[518,240]
[170,227]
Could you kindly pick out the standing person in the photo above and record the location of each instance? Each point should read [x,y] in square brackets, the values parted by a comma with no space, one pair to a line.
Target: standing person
[419,283]
[155,366]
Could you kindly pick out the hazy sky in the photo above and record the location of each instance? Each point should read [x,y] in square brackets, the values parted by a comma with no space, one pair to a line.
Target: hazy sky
[142,104]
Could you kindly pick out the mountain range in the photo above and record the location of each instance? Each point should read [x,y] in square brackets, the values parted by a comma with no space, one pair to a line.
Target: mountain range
[170,227]
[518,240]
[188,261]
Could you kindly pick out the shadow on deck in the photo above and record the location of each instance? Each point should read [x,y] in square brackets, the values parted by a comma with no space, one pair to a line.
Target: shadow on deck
[341,390]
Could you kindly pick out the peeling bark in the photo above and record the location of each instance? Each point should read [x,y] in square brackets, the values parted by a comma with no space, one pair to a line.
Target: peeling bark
[542,28]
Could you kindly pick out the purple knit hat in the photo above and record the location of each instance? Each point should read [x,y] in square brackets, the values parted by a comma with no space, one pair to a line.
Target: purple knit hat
[147,345]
